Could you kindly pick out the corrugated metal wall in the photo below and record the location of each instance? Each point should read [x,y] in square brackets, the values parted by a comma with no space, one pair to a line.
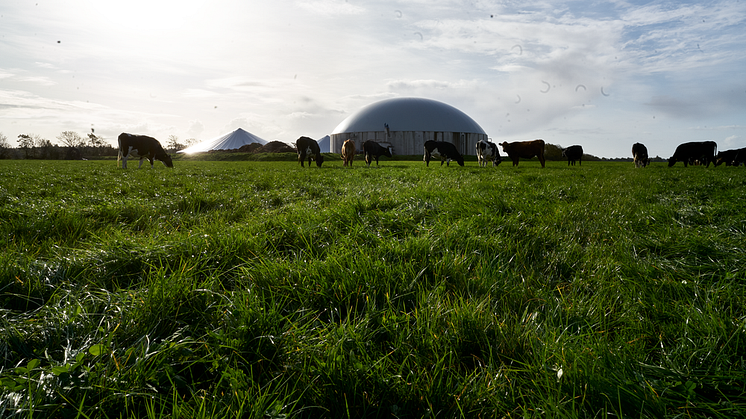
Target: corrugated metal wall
[409,143]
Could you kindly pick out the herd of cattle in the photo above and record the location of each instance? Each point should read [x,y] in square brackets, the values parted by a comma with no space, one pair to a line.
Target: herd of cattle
[702,152]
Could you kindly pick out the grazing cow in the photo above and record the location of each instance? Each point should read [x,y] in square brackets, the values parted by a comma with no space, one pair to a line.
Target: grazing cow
[445,150]
[524,149]
[703,151]
[373,150]
[640,153]
[731,157]
[348,152]
[487,150]
[574,152]
[143,147]
[308,148]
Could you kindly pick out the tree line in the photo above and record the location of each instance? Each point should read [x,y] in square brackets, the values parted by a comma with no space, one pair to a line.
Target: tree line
[71,146]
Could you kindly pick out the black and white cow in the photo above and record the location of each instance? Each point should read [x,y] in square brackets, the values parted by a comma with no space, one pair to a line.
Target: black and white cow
[143,147]
[373,150]
[574,152]
[731,157]
[309,149]
[487,151]
[702,151]
[445,150]
[640,154]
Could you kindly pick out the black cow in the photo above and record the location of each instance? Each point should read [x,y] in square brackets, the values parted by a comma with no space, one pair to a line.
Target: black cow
[574,152]
[143,147]
[731,157]
[640,153]
[524,149]
[309,149]
[487,150]
[702,151]
[373,150]
[445,150]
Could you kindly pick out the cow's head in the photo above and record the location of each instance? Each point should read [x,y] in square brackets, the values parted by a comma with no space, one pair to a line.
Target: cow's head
[319,159]
[389,151]
[505,146]
[165,158]
[719,159]
[671,162]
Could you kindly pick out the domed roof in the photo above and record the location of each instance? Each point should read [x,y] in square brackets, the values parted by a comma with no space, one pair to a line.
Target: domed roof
[409,114]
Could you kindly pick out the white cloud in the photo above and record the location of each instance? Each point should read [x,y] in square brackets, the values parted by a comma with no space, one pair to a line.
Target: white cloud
[330,8]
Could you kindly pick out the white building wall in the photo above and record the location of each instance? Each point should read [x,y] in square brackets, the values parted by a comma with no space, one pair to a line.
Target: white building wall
[407,143]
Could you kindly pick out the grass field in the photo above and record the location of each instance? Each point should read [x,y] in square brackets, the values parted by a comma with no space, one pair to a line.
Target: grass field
[263,290]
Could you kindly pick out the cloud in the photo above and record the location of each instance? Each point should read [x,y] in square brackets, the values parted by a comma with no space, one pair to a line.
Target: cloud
[196,128]
[40,80]
[330,8]
[199,94]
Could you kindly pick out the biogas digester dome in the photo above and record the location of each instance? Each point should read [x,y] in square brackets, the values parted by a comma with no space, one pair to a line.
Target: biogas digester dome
[411,122]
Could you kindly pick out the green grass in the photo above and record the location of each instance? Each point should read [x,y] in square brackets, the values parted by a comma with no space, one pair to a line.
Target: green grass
[260,289]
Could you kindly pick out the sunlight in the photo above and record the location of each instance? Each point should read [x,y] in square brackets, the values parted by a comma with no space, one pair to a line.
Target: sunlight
[155,15]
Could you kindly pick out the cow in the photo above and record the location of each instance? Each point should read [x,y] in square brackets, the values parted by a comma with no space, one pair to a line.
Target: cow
[143,147]
[640,154]
[524,149]
[445,150]
[731,157]
[487,150]
[308,148]
[574,152]
[348,152]
[373,150]
[703,151]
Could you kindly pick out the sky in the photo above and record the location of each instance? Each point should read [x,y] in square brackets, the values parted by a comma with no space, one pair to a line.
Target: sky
[600,74]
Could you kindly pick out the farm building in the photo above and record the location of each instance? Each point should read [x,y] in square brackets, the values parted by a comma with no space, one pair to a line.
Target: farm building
[406,123]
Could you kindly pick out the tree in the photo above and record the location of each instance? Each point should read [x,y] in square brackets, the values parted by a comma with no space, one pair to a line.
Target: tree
[71,139]
[25,143]
[94,140]
[5,148]
[174,144]
[46,149]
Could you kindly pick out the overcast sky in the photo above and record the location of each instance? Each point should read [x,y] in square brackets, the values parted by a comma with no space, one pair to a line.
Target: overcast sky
[600,74]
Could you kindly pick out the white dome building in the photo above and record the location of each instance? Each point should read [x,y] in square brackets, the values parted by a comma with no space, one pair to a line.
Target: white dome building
[410,122]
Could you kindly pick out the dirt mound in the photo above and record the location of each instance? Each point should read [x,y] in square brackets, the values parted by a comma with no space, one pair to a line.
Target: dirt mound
[275,147]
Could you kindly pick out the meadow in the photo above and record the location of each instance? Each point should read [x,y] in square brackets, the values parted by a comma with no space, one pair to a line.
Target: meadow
[260,289]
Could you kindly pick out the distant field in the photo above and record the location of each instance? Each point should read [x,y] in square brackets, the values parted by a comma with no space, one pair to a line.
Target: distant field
[260,289]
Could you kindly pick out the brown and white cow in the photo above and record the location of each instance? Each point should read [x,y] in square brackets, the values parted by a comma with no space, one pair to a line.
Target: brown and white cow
[309,149]
[524,149]
[348,152]
[143,147]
